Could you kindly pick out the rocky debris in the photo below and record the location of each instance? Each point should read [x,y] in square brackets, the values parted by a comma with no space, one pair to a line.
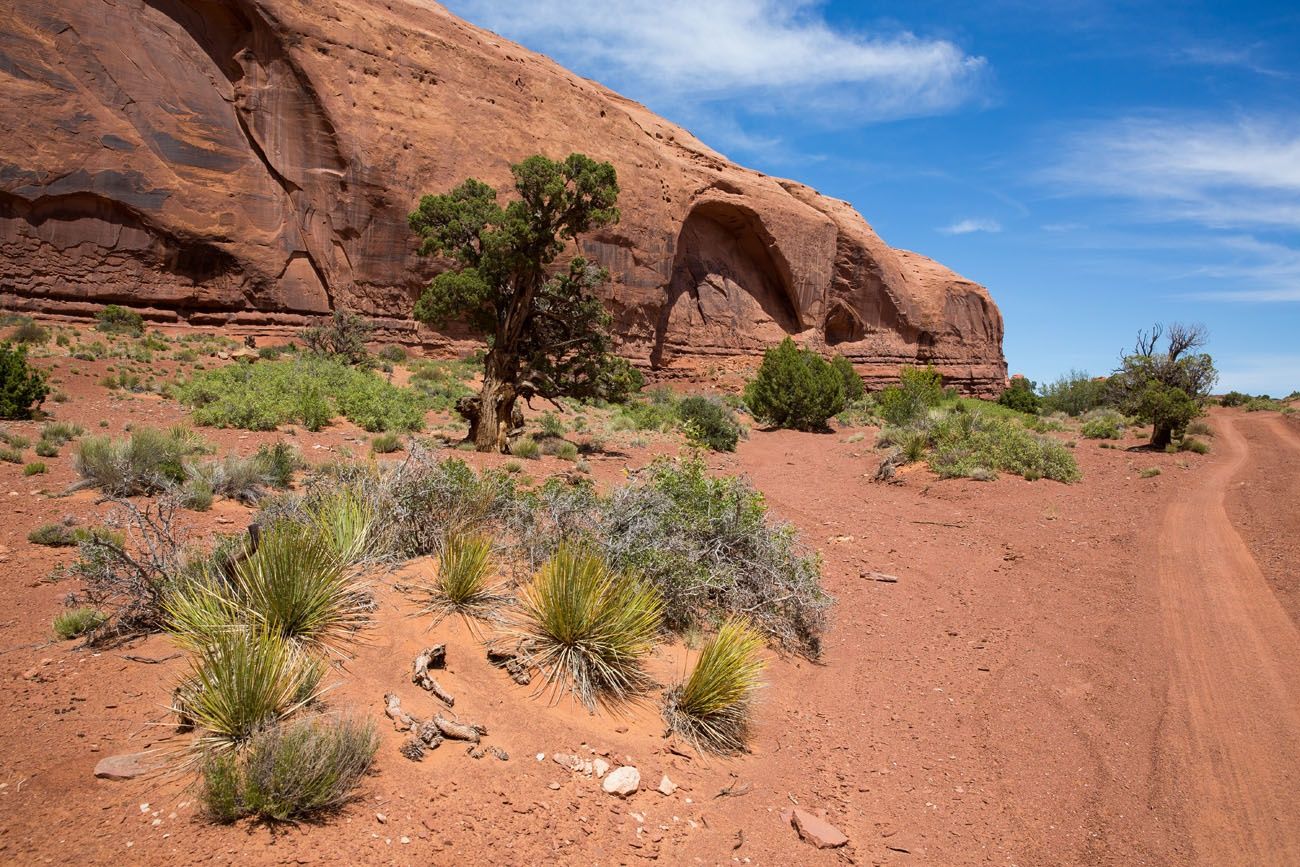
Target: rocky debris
[666,786]
[479,752]
[127,766]
[412,748]
[622,781]
[288,202]
[814,830]
[599,767]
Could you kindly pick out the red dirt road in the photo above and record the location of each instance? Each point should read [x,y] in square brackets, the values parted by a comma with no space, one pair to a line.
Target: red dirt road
[1234,654]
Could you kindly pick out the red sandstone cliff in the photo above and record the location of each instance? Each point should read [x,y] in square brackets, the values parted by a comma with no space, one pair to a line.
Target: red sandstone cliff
[252,161]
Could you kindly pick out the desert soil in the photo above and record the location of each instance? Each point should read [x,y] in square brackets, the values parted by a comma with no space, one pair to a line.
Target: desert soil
[1099,673]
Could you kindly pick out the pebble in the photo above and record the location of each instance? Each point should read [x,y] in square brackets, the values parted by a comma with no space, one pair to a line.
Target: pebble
[666,786]
[622,782]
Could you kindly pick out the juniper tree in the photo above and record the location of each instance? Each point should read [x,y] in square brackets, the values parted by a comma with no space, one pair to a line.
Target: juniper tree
[1166,389]
[547,334]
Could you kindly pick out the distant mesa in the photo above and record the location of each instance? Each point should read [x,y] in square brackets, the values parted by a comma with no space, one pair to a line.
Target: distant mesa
[251,163]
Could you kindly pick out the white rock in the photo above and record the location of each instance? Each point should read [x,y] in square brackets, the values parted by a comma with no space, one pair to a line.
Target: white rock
[622,782]
[599,767]
[666,786]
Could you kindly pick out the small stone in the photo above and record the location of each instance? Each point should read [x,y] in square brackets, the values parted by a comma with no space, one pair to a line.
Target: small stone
[404,839]
[818,832]
[381,818]
[599,767]
[554,787]
[622,782]
[127,766]
[666,786]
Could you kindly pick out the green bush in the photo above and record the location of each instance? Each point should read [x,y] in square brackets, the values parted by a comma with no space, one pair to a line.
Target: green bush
[289,771]
[589,628]
[464,567]
[919,390]
[712,707]
[119,320]
[1020,396]
[1106,424]
[386,444]
[54,536]
[795,388]
[22,387]
[709,423]
[1074,394]
[343,335]
[853,388]
[31,333]
[1149,473]
[60,432]
[148,461]
[392,353]
[278,462]
[526,448]
[35,468]
[10,455]
[1192,444]
[443,383]
[76,622]
[309,391]
[963,443]
[1234,398]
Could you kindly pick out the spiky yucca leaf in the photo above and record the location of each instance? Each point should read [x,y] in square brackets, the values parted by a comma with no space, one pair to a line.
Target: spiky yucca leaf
[295,586]
[712,708]
[200,607]
[243,680]
[589,627]
[464,566]
[346,523]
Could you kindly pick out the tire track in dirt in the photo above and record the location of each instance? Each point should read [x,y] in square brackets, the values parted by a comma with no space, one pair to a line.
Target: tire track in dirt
[1234,689]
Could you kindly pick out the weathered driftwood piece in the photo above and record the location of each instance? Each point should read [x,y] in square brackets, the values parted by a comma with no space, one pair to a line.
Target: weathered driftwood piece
[432,657]
[402,720]
[479,752]
[889,466]
[511,660]
[458,731]
[413,749]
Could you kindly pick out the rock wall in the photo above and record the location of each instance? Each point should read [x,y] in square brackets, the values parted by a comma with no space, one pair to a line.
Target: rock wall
[252,162]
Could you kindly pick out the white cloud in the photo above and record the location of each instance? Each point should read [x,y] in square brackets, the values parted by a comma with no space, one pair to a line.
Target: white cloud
[969,225]
[1220,174]
[781,53]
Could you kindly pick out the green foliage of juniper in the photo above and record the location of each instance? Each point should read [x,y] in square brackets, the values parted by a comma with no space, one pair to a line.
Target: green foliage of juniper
[548,335]
[22,387]
[795,388]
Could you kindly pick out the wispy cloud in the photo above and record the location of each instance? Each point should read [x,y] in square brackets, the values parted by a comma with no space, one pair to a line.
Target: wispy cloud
[687,52]
[1221,174]
[970,225]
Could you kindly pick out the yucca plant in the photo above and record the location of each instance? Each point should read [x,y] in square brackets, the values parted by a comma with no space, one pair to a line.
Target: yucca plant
[346,524]
[589,628]
[464,566]
[296,586]
[245,680]
[198,608]
[712,708]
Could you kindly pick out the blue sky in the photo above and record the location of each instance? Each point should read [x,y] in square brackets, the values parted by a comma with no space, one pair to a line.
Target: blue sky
[1099,166]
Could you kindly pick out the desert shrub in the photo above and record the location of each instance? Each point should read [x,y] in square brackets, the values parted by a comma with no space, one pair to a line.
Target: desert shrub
[346,524]
[1104,424]
[244,479]
[61,432]
[1192,444]
[270,353]
[11,455]
[197,494]
[964,442]
[589,628]
[385,444]
[22,387]
[1149,472]
[243,680]
[289,771]
[919,390]
[392,353]
[1020,396]
[551,425]
[526,448]
[31,333]
[119,320]
[443,382]
[1074,394]
[709,549]
[146,462]
[709,423]
[795,388]
[655,411]
[1263,403]
[51,535]
[1199,428]
[562,449]
[1234,398]
[278,462]
[712,707]
[464,566]
[76,622]
[858,412]
[853,388]
[35,468]
[342,335]
[310,391]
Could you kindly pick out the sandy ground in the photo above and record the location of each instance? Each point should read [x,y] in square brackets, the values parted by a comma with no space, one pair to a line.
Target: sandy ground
[1099,673]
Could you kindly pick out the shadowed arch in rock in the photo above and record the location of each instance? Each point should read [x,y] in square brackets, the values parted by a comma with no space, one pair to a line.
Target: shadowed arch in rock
[727,289]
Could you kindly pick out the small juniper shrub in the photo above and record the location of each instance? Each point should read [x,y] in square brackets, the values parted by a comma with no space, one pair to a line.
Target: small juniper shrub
[709,423]
[795,388]
[919,390]
[31,333]
[342,335]
[114,319]
[1020,396]
[23,388]
[853,388]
